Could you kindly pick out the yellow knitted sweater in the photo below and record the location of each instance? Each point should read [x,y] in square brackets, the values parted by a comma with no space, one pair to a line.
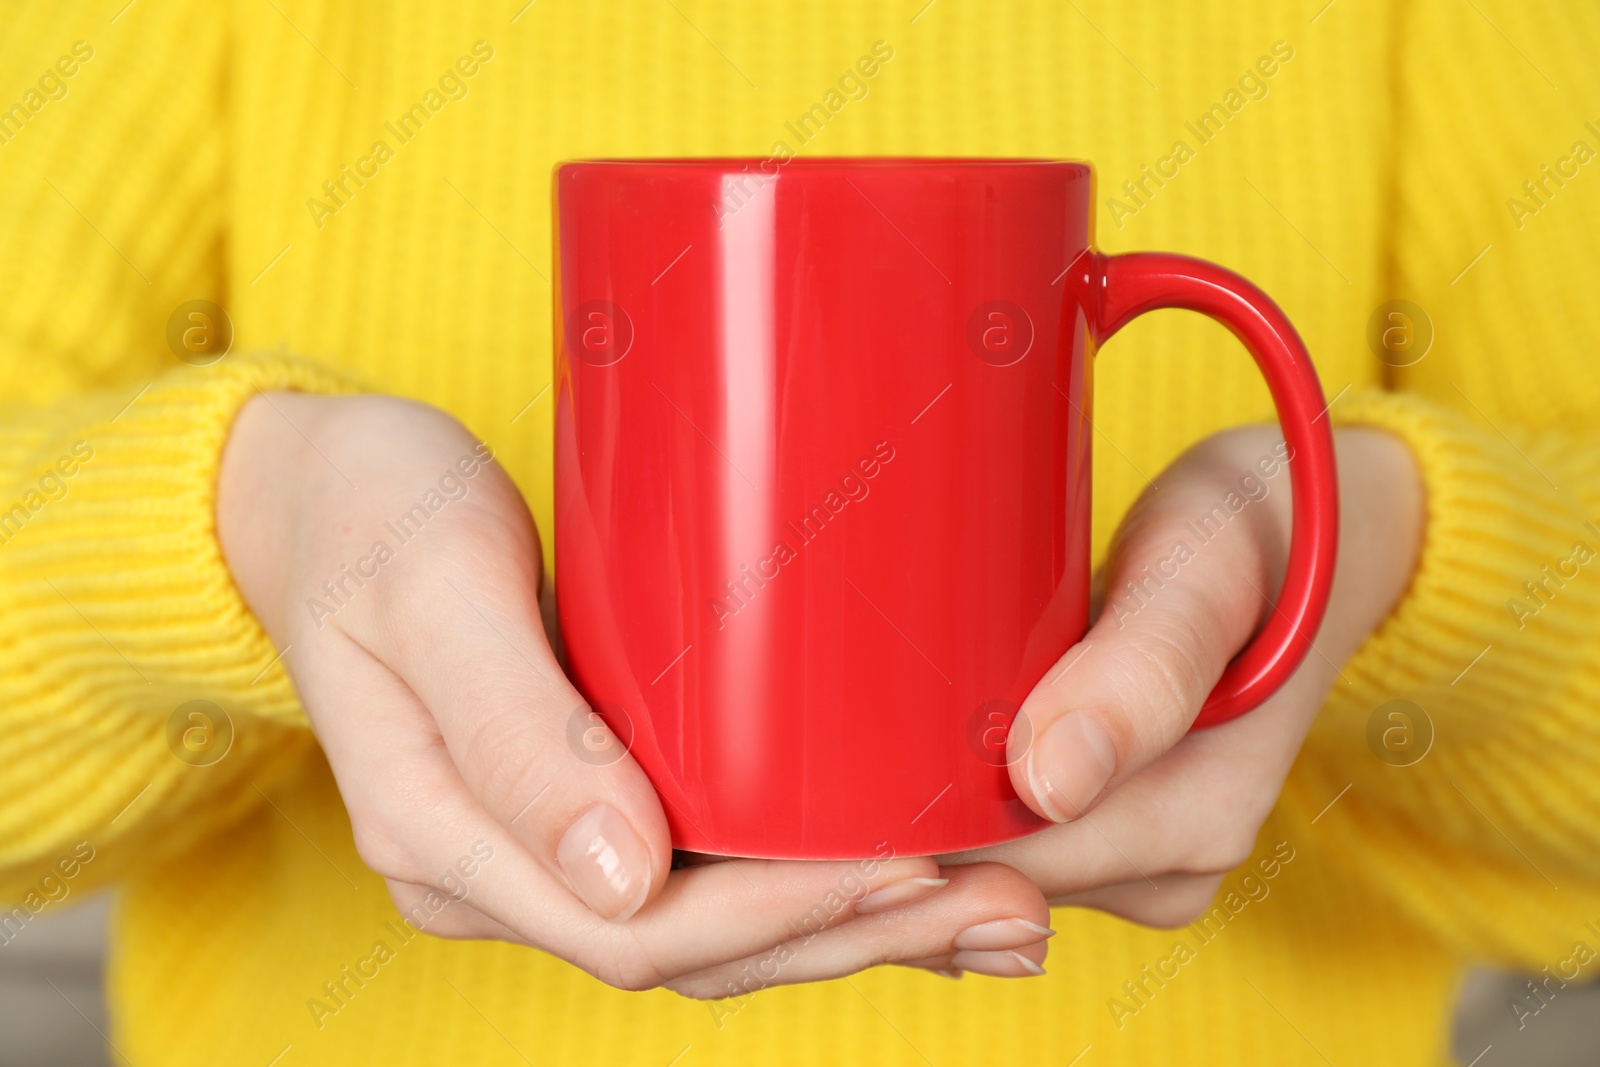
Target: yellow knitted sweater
[173,150]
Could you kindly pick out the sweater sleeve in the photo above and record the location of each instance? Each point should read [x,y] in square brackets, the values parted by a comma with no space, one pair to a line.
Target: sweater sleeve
[140,701]
[1467,730]
[1458,748]
[117,613]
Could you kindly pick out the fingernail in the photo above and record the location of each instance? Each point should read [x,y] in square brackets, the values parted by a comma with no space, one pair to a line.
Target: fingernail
[898,894]
[943,973]
[997,964]
[1001,934]
[1069,764]
[606,863]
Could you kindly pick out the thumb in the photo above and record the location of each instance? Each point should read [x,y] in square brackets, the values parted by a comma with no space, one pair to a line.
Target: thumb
[1188,583]
[532,751]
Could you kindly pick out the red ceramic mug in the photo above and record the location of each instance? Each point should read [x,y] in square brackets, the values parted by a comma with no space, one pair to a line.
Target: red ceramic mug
[822,482]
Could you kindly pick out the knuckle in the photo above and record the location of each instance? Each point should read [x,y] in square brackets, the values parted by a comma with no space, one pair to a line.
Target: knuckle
[630,970]
[1232,600]
[1181,908]
[1139,532]
[507,756]
[704,988]
[1171,651]
[1220,852]
[1177,904]
[446,924]
[1227,841]
[1161,677]
[689,991]
[383,853]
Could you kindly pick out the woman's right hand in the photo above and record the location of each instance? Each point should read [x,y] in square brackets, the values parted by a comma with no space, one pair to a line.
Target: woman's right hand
[378,542]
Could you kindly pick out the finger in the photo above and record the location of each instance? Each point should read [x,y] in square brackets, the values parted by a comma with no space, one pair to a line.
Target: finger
[432,910]
[706,915]
[1188,580]
[415,820]
[1025,962]
[989,919]
[413,815]
[1195,811]
[1167,902]
[710,914]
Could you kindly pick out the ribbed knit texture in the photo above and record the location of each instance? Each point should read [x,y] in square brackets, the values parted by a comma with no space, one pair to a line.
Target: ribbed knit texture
[178,166]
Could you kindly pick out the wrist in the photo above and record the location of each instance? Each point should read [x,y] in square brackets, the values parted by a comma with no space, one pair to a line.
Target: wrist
[1382,518]
[261,481]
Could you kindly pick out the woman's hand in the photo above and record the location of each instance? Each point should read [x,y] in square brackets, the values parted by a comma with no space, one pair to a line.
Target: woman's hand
[380,545]
[1190,575]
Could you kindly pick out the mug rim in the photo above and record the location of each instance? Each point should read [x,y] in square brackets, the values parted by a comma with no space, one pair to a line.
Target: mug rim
[776,165]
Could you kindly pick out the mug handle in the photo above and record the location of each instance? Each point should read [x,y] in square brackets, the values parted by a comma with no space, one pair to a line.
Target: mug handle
[1117,289]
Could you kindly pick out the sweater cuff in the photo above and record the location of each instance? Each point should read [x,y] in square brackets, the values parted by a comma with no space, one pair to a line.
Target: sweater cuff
[1499,599]
[118,614]
[1463,730]
[114,580]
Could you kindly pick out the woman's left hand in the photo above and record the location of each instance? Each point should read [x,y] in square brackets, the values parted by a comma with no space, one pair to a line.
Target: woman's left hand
[1151,816]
